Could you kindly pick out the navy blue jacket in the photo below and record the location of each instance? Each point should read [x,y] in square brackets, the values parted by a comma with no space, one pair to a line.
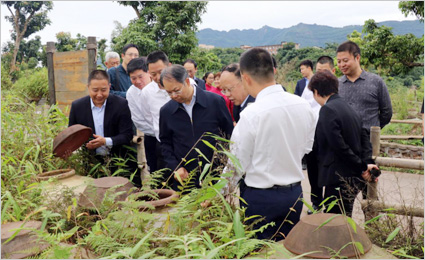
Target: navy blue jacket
[238,109]
[178,133]
[200,83]
[299,88]
[120,84]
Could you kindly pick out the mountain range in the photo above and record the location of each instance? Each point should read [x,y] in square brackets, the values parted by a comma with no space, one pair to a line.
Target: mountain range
[307,35]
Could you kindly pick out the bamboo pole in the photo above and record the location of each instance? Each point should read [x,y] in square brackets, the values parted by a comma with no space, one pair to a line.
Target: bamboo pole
[368,205]
[400,163]
[50,50]
[141,155]
[406,121]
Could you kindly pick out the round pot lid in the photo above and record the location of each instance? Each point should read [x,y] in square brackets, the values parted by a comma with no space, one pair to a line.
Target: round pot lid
[70,140]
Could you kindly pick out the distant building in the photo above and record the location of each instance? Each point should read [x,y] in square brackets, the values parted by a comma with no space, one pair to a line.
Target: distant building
[207,47]
[270,48]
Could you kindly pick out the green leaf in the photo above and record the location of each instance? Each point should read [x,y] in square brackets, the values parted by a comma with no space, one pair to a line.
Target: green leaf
[209,145]
[352,224]
[238,226]
[374,219]
[331,205]
[200,153]
[204,171]
[140,243]
[392,235]
[308,205]
[359,247]
[234,160]
[327,221]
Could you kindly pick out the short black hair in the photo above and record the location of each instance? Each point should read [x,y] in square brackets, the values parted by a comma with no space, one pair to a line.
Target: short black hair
[349,46]
[326,60]
[307,63]
[128,46]
[191,61]
[176,72]
[258,64]
[99,75]
[233,68]
[156,56]
[206,76]
[325,83]
[137,64]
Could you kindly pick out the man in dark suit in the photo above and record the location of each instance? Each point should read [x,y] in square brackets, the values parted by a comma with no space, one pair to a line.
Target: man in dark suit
[192,67]
[184,119]
[108,116]
[343,147]
[231,86]
[306,68]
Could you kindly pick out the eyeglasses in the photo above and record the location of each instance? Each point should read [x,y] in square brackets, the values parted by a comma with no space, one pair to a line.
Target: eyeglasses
[176,92]
[228,90]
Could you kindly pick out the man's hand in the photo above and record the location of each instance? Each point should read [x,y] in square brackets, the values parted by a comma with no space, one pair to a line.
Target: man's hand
[96,143]
[182,172]
[366,174]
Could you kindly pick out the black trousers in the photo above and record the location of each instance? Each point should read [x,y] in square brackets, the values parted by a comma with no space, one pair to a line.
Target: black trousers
[274,205]
[349,187]
[154,156]
[316,196]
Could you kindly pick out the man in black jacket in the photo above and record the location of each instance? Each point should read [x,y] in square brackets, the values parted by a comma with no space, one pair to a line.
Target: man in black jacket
[189,114]
[108,116]
[343,147]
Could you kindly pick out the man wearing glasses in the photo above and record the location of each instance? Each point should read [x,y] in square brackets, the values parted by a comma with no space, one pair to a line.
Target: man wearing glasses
[231,86]
[120,81]
[183,120]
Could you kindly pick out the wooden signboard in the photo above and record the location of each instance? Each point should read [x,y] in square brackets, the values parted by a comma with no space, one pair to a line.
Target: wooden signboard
[71,73]
[68,73]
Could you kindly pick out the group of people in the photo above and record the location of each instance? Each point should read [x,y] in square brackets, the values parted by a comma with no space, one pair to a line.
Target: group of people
[271,130]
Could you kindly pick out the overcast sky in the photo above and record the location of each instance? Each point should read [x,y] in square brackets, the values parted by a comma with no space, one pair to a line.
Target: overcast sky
[96,18]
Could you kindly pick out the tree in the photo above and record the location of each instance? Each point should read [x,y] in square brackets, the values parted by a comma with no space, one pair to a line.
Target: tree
[414,7]
[27,18]
[166,25]
[395,54]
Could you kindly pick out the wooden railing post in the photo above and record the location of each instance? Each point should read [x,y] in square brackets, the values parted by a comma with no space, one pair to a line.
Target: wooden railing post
[50,50]
[375,139]
[92,49]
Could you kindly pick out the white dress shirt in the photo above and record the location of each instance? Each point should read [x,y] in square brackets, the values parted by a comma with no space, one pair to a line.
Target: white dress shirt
[98,114]
[308,95]
[272,136]
[134,98]
[189,107]
[152,99]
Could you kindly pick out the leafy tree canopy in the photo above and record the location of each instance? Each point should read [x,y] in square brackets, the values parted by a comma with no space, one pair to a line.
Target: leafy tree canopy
[166,25]
[27,17]
[414,7]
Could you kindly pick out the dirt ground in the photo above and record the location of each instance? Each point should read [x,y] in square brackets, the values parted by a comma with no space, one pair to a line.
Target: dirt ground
[393,188]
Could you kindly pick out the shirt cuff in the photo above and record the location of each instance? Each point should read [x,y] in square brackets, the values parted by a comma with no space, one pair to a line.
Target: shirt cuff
[109,143]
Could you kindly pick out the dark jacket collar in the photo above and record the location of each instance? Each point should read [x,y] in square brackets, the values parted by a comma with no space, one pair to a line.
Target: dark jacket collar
[201,99]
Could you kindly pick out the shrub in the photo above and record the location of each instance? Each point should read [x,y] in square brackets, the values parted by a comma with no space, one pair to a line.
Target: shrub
[6,81]
[35,85]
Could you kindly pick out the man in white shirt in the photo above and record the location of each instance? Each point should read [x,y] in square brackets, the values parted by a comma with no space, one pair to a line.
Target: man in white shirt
[153,97]
[271,137]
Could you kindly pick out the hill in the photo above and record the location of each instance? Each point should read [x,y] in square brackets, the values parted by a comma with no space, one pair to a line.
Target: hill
[307,35]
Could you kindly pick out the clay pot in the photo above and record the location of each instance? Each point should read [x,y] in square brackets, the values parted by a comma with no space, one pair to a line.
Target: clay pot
[24,244]
[58,174]
[307,237]
[94,193]
[70,140]
[165,197]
